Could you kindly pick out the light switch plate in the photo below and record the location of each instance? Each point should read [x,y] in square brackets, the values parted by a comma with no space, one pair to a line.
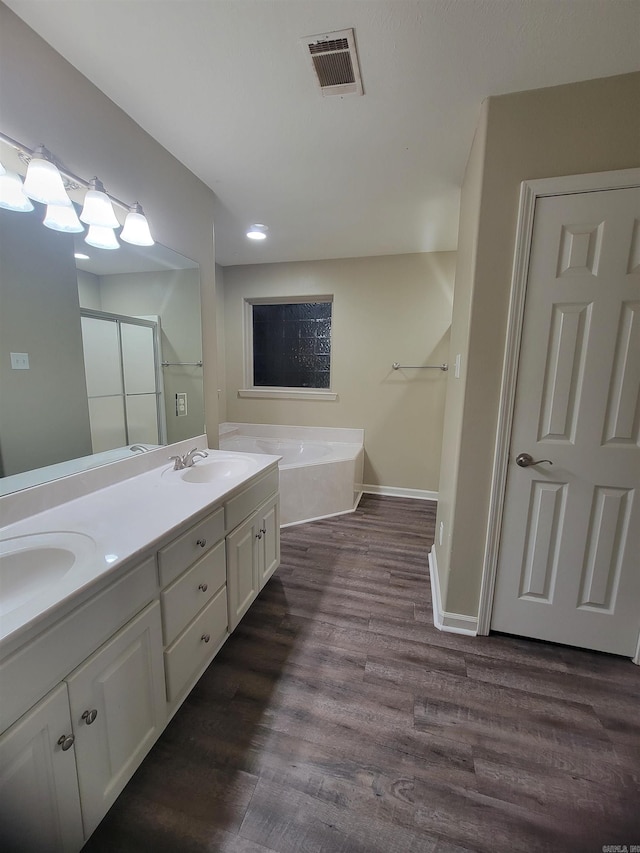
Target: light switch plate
[20,361]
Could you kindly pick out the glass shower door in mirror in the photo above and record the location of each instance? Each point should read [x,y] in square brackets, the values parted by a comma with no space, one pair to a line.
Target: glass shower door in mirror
[124,386]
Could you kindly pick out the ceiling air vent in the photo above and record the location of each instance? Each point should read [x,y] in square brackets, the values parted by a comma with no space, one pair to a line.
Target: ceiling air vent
[335,62]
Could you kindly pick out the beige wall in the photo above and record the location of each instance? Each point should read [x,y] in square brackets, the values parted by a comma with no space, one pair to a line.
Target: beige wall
[44,99]
[385,309]
[592,126]
[221,357]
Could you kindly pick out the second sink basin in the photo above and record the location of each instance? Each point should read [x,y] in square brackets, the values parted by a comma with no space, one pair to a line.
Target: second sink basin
[29,564]
[217,468]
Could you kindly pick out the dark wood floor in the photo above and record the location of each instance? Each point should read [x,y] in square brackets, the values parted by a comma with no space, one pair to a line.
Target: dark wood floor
[337,719]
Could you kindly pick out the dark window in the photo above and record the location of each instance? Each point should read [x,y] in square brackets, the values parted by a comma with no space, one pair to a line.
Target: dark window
[292,344]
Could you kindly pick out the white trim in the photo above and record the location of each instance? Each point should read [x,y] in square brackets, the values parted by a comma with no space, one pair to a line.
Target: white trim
[451,623]
[329,515]
[636,658]
[396,492]
[287,394]
[529,193]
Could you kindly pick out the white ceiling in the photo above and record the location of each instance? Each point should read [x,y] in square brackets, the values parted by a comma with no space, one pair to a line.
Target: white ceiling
[225,85]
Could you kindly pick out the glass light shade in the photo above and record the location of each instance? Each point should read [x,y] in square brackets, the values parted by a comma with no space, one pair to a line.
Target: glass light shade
[98,210]
[101,237]
[43,183]
[3,171]
[65,219]
[12,195]
[136,228]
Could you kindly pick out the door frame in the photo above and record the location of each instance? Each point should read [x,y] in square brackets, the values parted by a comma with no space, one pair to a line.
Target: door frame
[530,192]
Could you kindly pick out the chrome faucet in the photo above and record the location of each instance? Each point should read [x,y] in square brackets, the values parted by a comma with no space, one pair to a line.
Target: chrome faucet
[138,448]
[189,458]
[187,461]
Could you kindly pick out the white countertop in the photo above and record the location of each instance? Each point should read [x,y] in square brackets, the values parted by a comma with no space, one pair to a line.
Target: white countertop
[126,520]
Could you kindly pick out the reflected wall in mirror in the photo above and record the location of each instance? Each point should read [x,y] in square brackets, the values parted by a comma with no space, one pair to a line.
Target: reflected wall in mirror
[140,307]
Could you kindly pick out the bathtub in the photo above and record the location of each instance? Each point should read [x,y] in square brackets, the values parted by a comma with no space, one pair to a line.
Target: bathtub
[320,468]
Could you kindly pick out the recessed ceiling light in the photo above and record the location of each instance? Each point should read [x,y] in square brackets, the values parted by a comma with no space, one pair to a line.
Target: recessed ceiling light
[257,232]
[80,257]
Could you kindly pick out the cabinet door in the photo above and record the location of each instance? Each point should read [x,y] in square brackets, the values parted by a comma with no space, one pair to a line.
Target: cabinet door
[269,519]
[123,683]
[242,568]
[39,800]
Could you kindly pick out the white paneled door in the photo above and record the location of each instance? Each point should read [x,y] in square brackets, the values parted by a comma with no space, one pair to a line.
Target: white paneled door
[569,561]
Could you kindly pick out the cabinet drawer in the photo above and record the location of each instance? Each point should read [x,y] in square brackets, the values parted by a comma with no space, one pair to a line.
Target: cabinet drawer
[183,551]
[42,663]
[238,508]
[191,591]
[189,653]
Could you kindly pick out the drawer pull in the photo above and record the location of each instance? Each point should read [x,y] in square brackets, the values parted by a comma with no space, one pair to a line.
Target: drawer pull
[89,716]
[205,638]
[203,587]
[201,542]
[66,742]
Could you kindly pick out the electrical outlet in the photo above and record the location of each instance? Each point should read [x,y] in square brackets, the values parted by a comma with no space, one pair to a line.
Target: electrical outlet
[181,405]
[441,532]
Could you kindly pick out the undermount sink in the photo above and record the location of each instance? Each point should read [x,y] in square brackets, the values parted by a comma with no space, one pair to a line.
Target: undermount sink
[215,469]
[29,564]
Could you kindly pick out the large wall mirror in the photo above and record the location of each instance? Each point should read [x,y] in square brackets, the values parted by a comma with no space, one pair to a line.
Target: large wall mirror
[98,355]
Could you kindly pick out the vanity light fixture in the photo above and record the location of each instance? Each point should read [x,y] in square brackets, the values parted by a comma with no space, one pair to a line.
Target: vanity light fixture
[97,209]
[136,228]
[257,232]
[46,182]
[80,257]
[61,218]
[43,181]
[101,237]
[12,196]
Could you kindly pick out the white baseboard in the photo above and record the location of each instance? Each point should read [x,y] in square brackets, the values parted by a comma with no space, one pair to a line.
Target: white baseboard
[394,492]
[454,623]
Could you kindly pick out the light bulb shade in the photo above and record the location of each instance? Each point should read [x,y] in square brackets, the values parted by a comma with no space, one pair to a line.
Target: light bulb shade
[65,219]
[98,210]
[136,228]
[12,195]
[101,237]
[43,183]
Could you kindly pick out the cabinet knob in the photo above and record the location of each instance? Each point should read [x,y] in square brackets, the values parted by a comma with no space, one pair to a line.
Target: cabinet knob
[259,534]
[201,542]
[66,742]
[205,638]
[203,587]
[263,530]
[89,716]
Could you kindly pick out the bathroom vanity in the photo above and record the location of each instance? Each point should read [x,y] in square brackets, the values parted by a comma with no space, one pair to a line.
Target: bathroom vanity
[165,564]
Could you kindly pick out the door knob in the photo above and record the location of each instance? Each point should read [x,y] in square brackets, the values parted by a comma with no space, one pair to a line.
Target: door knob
[524,460]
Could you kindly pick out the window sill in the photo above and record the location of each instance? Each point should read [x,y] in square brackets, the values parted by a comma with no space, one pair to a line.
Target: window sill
[287,394]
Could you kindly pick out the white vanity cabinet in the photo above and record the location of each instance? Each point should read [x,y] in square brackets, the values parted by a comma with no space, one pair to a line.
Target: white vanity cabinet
[253,554]
[39,796]
[193,577]
[118,711]
[65,760]
[84,700]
